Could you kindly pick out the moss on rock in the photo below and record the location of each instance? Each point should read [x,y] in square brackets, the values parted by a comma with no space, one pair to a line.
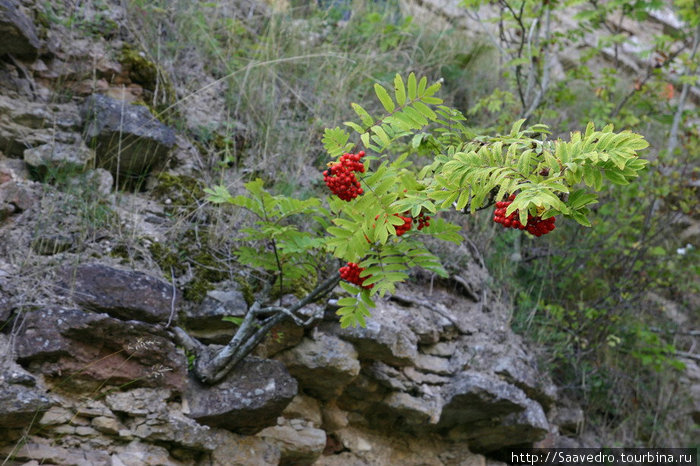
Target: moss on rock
[190,254]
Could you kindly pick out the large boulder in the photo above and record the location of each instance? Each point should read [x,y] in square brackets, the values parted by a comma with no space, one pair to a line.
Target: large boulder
[86,350]
[324,366]
[17,32]
[490,413]
[249,399]
[124,294]
[129,141]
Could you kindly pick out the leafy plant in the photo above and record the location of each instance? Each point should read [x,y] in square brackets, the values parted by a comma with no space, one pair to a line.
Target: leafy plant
[468,172]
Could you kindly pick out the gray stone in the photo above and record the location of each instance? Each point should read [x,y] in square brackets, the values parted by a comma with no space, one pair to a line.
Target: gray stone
[334,418]
[124,294]
[490,413]
[107,425]
[59,155]
[48,243]
[423,378]
[175,427]
[204,321]
[20,404]
[239,450]
[140,454]
[323,366]
[524,428]
[472,396]
[249,399]
[55,416]
[93,408]
[139,402]
[49,454]
[388,376]
[128,140]
[101,179]
[304,407]
[297,446]
[31,124]
[569,419]
[16,197]
[434,364]
[444,348]
[89,350]
[413,410]
[17,32]
[386,337]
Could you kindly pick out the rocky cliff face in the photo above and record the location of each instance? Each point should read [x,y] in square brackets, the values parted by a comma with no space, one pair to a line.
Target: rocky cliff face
[90,370]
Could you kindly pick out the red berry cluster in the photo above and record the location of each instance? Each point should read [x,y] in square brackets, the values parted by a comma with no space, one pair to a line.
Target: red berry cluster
[400,229]
[351,273]
[340,177]
[535,225]
[407,223]
[423,221]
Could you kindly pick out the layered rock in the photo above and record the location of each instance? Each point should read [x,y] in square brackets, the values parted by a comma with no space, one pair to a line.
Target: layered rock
[95,349]
[324,366]
[18,35]
[129,141]
[249,399]
[124,294]
[25,124]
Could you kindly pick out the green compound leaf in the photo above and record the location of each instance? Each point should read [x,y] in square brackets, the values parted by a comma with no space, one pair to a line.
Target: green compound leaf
[384,98]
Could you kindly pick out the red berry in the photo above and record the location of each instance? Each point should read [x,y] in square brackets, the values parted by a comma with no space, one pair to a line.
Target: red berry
[535,225]
[351,273]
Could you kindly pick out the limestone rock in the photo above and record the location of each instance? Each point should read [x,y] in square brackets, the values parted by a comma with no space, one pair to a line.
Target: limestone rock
[413,410]
[59,155]
[472,396]
[16,197]
[91,349]
[304,407]
[20,402]
[98,179]
[55,416]
[282,336]
[141,454]
[298,446]
[249,399]
[124,294]
[49,454]
[204,321]
[490,413]
[324,366]
[334,418]
[17,32]
[31,124]
[154,421]
[238,450]
[139,402]
[569,419]
[107,425]
[386,337]
[129,141]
